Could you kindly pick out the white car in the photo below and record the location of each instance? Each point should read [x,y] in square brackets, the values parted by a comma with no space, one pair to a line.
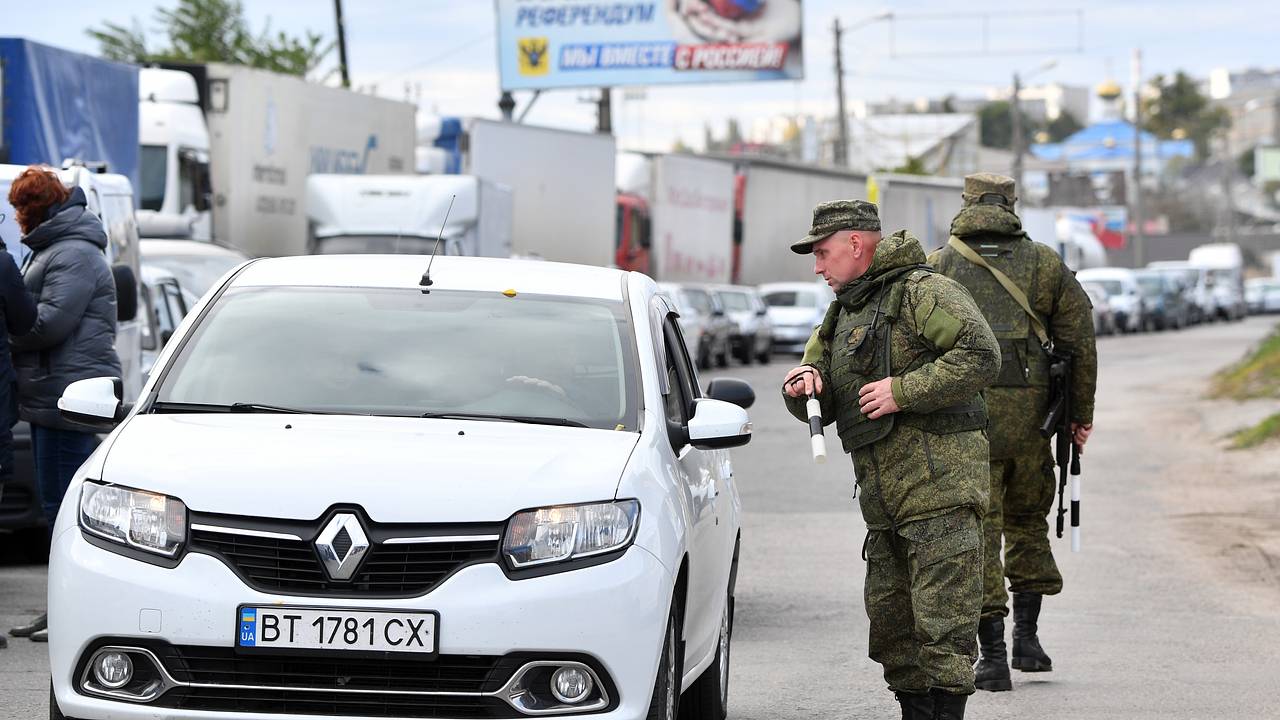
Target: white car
[1123,294]
[751,337]
[349,489]
[1262,294]
[795,309]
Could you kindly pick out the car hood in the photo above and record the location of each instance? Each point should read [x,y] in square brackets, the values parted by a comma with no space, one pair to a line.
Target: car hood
[397,469]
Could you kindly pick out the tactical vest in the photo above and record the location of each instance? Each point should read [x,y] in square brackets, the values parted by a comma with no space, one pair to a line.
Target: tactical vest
[861,350]
[1023,362]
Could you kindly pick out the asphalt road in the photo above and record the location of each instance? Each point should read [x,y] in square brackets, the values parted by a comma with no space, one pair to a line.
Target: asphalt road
[1171,611]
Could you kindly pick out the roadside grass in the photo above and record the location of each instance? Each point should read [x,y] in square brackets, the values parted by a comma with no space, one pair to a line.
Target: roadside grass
[1257,375]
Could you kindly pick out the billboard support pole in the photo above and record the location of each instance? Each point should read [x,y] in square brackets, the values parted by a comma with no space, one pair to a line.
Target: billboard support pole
[507,105]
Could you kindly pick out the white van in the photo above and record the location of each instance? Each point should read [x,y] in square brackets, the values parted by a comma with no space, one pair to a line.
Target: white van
[1225,262]
[110,197]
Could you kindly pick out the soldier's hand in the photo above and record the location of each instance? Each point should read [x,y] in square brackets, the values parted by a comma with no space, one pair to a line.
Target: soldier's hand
[802,381]
[1080,433]
[876,399]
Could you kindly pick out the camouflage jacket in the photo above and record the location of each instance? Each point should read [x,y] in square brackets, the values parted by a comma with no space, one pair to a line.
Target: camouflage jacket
[1059,300]
[950,354]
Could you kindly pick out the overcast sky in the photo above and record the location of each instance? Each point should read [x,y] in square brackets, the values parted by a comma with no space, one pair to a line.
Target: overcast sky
[447,47]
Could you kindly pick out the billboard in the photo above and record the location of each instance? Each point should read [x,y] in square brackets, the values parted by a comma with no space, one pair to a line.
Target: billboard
[546,44]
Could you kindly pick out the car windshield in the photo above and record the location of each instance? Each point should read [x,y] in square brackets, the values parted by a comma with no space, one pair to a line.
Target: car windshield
[697,301]
[1110,287]
[1150,284]
[195,273]
[401,352]
[735,301]
[791,298]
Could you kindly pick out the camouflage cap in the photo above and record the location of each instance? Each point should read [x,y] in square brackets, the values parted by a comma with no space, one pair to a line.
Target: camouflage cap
[837,215]
[979,184]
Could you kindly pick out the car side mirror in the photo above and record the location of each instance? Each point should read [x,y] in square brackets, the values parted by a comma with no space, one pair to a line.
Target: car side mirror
[126,292]
[717,313]
[98,402]
[717,424]
[762,312]
[732,390]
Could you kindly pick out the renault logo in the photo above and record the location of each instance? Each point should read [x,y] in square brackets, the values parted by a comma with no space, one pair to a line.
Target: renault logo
[342,545]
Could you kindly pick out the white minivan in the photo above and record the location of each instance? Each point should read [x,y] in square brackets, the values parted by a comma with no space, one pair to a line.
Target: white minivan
[354,486]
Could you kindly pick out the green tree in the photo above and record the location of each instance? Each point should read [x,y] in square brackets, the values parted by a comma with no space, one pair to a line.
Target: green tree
[996,126]
[212,31]
[1179,105]
[1063,127]
[913,166]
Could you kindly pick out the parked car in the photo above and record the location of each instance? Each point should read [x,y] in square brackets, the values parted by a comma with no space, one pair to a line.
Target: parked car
[1225,263]
[1197,288]
[166,304]
[751,337]
[1104,320]
[1123,294]
[795,309]
[1163,294]
[703,320]
[1262,295]
[197,265]
[355,531]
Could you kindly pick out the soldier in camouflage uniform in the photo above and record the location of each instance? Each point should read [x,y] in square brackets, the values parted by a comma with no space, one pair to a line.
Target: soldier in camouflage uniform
[1022,466]
[898,364]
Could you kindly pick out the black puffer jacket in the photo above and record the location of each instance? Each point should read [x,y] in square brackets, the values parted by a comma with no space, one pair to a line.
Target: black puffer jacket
[75,330]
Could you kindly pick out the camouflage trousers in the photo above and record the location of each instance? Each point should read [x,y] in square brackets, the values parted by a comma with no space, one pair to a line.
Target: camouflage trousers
[1022,493]
[923,595]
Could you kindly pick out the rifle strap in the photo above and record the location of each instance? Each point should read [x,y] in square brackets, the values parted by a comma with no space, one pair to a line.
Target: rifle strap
[1020,297]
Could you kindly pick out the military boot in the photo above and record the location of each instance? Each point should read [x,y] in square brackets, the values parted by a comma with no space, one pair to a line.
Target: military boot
[948,706]
[916,706]
[1028,656]
[35,625]
[992,671]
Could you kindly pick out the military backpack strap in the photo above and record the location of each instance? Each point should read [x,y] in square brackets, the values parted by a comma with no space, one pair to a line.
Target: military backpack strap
[1014,291]
[828,327]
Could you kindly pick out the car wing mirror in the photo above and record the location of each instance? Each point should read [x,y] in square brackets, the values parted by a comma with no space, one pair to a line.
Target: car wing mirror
[717,424]
[98,402]
[732,390]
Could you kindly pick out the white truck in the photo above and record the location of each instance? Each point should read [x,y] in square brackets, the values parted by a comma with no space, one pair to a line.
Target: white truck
[406,213]
[561,182]
[233,146]
[1225,263]
[688,208]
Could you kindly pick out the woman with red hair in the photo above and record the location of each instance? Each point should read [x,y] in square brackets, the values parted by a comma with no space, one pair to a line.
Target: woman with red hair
[73,336]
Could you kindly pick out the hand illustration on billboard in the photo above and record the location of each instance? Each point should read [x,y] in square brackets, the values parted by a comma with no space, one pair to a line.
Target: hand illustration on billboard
[736,21]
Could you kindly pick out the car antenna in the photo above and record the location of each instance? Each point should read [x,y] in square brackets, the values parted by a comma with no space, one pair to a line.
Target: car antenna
[426,276]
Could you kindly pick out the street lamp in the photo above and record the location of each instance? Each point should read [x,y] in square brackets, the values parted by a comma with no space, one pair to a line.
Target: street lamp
[842,145]
[1015,110]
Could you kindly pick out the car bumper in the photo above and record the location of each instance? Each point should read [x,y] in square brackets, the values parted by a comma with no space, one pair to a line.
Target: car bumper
[791,339]
[613,614]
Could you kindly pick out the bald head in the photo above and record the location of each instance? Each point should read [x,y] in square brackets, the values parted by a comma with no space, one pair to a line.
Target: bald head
[844,256]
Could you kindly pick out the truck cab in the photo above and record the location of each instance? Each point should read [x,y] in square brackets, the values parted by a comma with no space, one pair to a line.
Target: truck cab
[174,189]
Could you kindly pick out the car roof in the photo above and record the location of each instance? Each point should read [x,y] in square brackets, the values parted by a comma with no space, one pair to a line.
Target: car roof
[448,273]
[189,247]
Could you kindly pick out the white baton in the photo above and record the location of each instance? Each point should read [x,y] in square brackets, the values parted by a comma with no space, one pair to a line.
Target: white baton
[1075,509]
[816,438]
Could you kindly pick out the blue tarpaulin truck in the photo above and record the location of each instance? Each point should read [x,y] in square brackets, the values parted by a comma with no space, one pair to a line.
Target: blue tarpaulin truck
[58,105]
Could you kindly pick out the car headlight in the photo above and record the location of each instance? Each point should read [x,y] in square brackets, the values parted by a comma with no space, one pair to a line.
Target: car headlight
[559,534]
[146,521]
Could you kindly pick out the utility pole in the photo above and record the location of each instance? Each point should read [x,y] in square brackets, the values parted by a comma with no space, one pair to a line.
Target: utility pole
[1139,237]
[1227,199]
[1015,122]
[842,119]
[342,44]
[604,112]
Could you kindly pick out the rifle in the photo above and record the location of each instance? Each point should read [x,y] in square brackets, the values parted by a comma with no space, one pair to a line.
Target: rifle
[1057,424]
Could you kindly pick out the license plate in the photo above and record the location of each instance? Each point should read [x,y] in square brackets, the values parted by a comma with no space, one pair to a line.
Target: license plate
[310,628]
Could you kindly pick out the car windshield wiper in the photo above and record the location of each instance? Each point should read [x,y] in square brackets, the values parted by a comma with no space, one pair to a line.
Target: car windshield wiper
[240,407]
[530,419]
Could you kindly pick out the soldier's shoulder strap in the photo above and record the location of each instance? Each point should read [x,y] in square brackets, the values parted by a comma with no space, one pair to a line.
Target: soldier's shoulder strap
[828,327]
[1009,286]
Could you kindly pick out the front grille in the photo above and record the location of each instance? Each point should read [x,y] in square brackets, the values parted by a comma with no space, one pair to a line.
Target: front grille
[328,703]
[206,665]
[292,566]
[334,685]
